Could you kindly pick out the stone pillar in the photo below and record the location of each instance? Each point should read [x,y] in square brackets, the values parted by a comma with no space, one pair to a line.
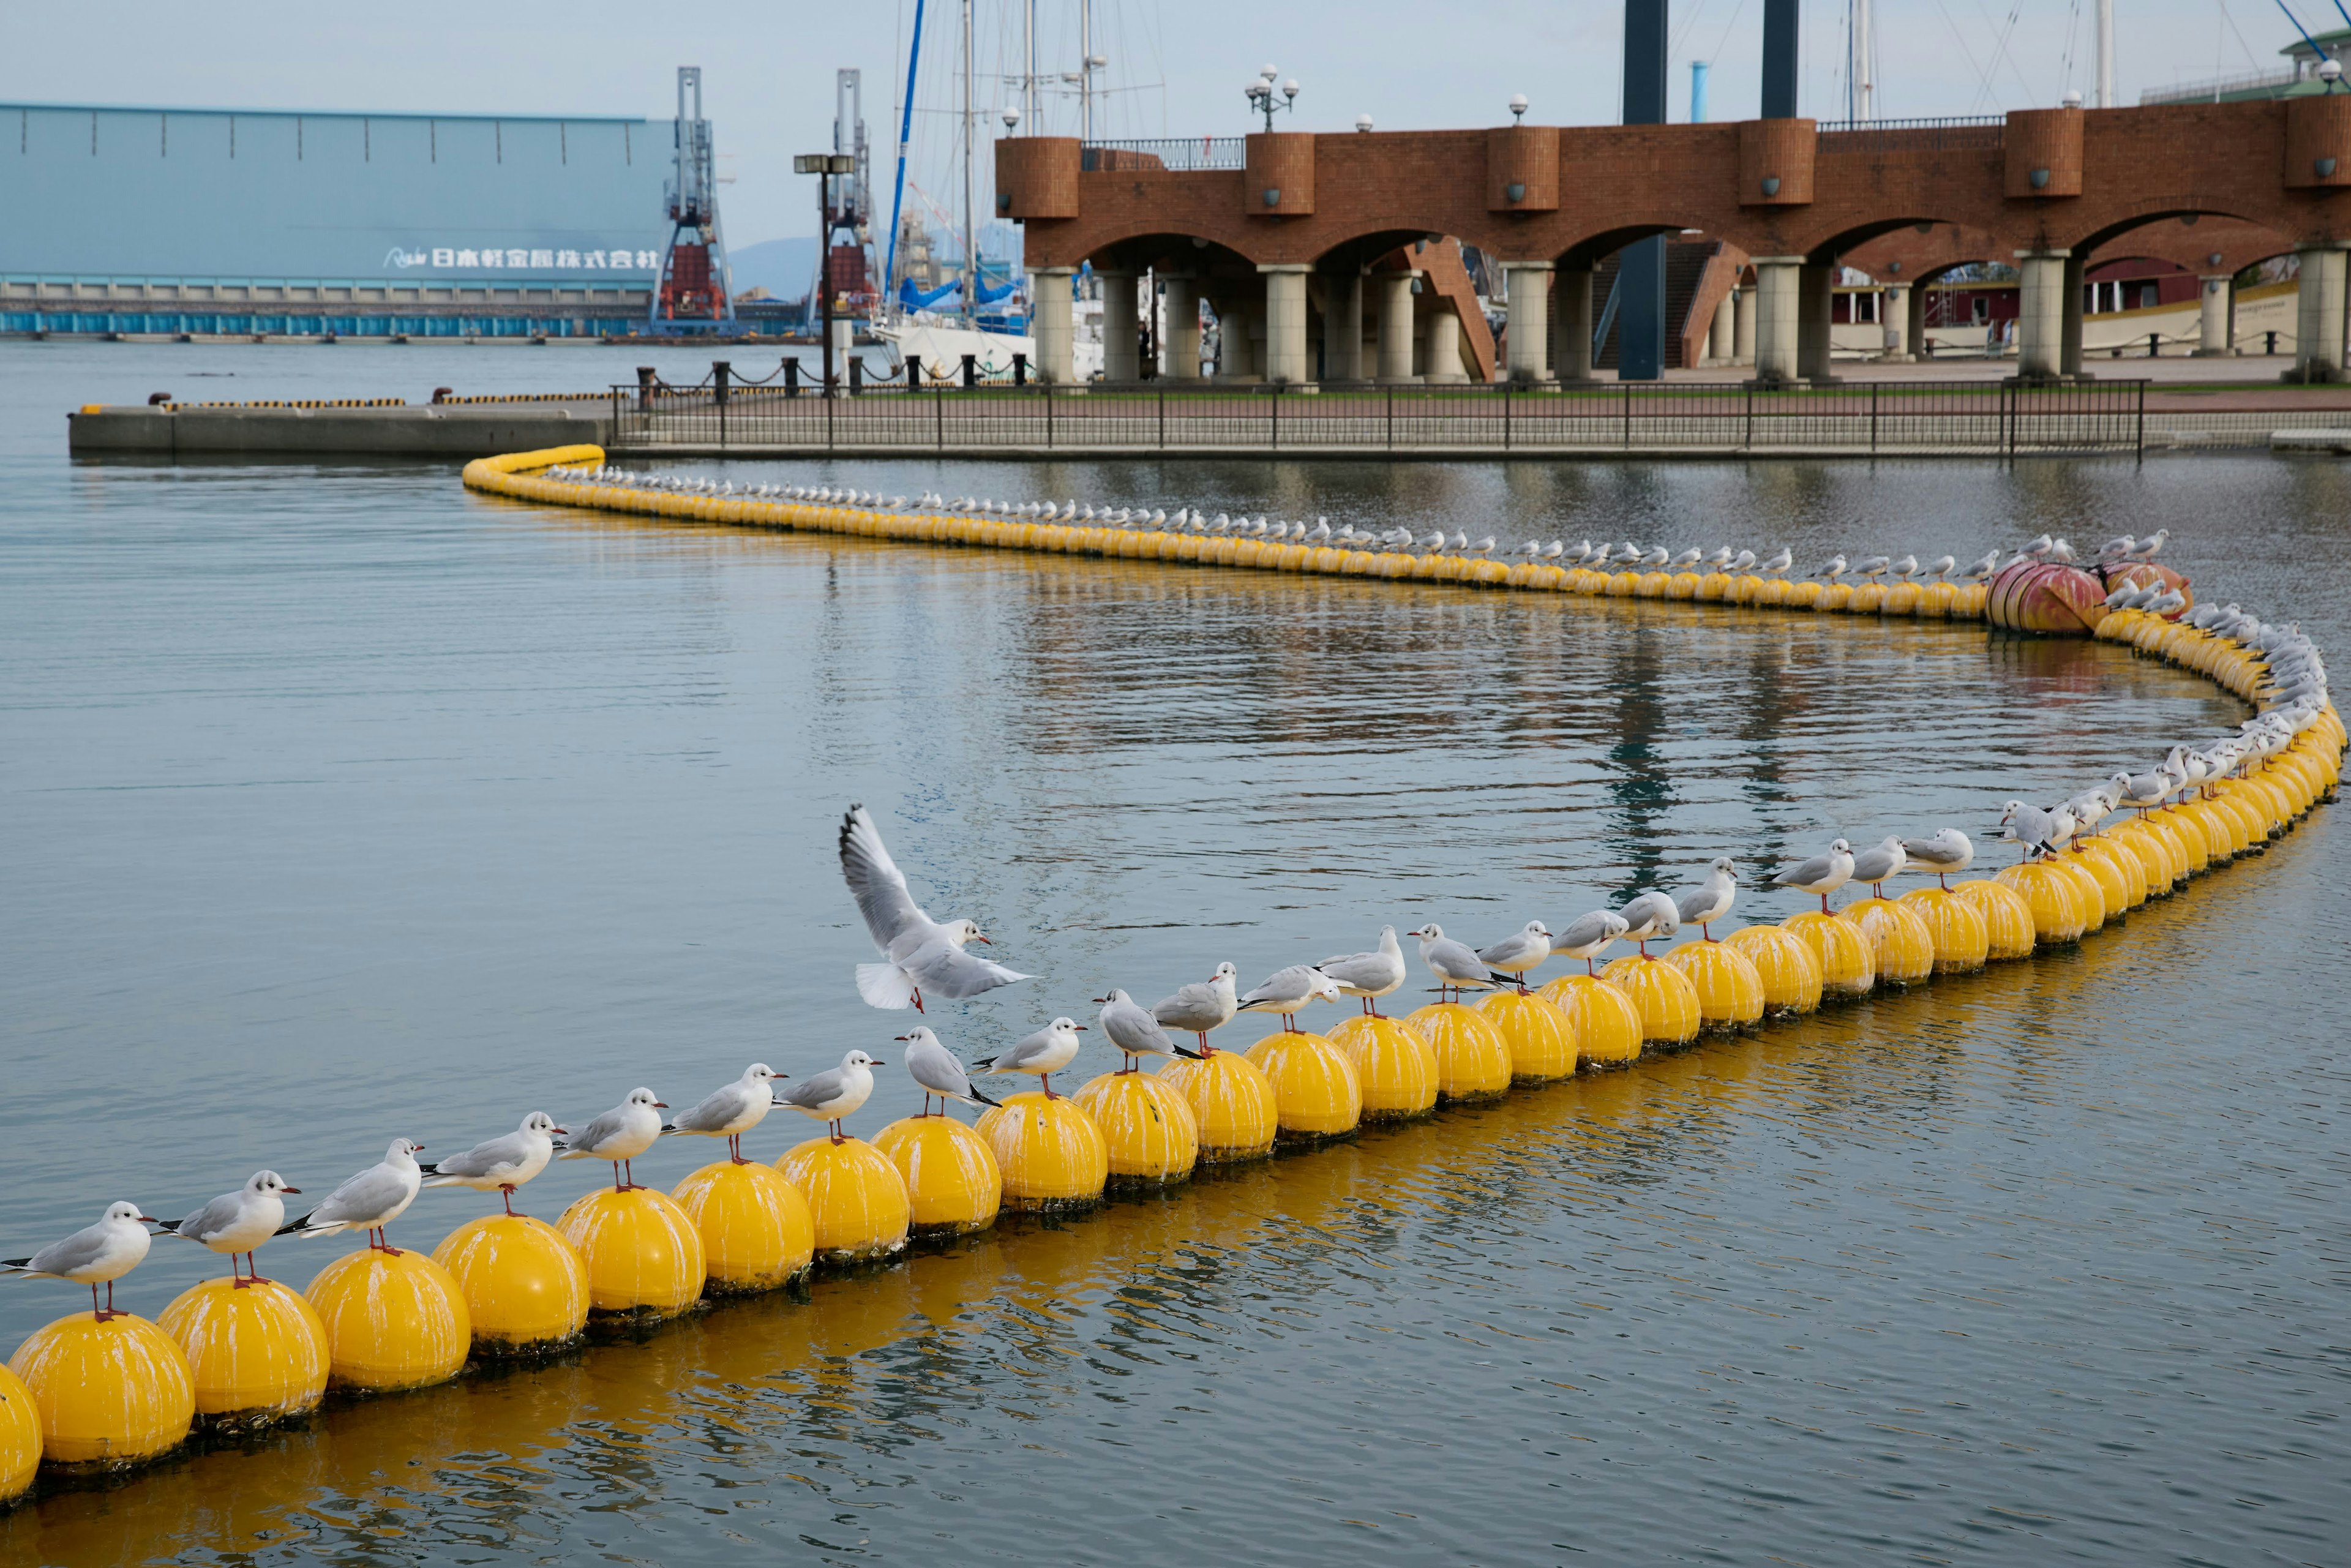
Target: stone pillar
[1529,347]
[1778,279]
[1252,315]
[1122,329]
[1815,292]
[1343,325]
[1049,294]
[1179,330]
[1395,324]
[1445,345]
[1722,333]
[1743,328]
[2041,314]
[1893,315]
[1914,326]
[2069,357]
[1286,363]
[1571,305]
[2215,319]
[2318,315]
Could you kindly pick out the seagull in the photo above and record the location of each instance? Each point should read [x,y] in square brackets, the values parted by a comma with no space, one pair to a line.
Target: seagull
[2146,790]
[1744,562]
[1984,567]
[1711,900]
[1822,875]
[1875,864]
[919,951]
[1521,950]
[1202,1006]
[1834,570]
[935,1067]
[1370,976]
[500,1164]
[1779,562]
[238,1222]
[2149,548]
[1942,566]
[1286,990]
[95,1255]
[369,1201]
[1044,1053]
[1587,935]
[1651,915]
[1126,1025]
[1947,852]
[835,1092]
[619,1135]
[2033,829]
[1455,964]
[733,1111]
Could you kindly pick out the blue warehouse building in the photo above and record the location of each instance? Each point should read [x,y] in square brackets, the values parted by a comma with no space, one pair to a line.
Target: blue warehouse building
[204,222]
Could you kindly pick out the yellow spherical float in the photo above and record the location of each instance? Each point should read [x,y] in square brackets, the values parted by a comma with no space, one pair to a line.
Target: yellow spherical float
[1666,1000]
[2055,898]
[1050,1151]
[755,1225]
[857,1201]
[255,1355]
[1232,1105]
[2195,842]
[1901,948]
[1473,1060]
[1607,1025]
[1847,960]
[526,1287]
[2113,884]
[1151,1135]
[107,1395]
[1729,987]
[953,1187]
[1395,1064]
[1786,968]
[20,1438]
[393,1321]
[644,1253]
[2009,928]
[1316,1094]
[2121,857]
[1962,939]
[1542,1037]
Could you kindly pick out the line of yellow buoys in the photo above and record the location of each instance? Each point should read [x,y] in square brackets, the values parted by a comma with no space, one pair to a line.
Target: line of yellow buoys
[82,1394]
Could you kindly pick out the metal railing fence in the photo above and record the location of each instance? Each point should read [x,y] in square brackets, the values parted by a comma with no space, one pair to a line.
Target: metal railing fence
[1852,416]
[1183,154]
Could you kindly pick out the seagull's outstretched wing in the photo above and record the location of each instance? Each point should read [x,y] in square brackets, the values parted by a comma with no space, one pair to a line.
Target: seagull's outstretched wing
[945,970]
[876,880]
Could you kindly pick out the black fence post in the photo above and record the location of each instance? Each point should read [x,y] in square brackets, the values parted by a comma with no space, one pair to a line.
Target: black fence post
[1628,416]
[2138,435]
[648,382]
[939,416]
[791,378]
[1391,392]
[1873,416]
[1163,417]
[1274,419]
[719,371]
[1045,387]
[1748,441]
[1020,370]
[2008,419]
[1506,416]
[856,374]
[829,402]
[970,373]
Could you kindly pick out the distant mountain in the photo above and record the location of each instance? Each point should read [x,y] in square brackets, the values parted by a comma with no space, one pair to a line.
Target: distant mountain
[784,267]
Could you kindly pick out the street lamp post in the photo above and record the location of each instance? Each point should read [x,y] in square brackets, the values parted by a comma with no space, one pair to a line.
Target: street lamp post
[824,166]
[1261,92]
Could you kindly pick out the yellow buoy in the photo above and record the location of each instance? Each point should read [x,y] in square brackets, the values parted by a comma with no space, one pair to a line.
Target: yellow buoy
[1730,990]
[1901,948]
[2088,891]
[2009,928]
[1232,1104]
[20,1438]
[1394,1065]
[2121,857]
[393,1320]
[2195,842]
[1149,1130]
[108,1394]
[1473,1060]
[856,1198]
[255,1354]
[2052,896]
[953,1187]
[526,1287]
[755,1225]
[1784,964]
[1667,999]
[1961,940]
[1050,1152]
[1607,1025]
[2113,883]
[643,1253]
[2147,852]
[1847,960]
[1540,1037]
[1316,1096]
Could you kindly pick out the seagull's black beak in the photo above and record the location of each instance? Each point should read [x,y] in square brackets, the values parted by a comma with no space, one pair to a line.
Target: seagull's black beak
[661,1104]
[291,1191]
[898,1037]
[1102,998]
[565,1131]
[1077,1028]
[148,1219]
[877,1061]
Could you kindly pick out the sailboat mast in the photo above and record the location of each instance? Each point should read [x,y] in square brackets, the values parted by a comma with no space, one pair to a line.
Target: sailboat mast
[898,193]
[970,222]
[1086,71]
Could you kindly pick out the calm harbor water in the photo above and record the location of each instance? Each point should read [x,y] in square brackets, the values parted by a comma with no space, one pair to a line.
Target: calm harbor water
[340,804]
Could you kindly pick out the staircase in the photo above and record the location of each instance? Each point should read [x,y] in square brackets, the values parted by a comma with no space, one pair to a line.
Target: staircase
[1685,266]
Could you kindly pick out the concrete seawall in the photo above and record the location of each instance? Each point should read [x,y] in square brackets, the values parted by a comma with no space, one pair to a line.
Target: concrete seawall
[429,431]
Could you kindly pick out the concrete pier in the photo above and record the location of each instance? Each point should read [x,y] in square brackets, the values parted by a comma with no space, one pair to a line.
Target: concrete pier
[433,430]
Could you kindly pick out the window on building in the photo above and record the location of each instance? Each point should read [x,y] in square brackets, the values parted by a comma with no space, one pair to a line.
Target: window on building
[1981,310]
[2150,295]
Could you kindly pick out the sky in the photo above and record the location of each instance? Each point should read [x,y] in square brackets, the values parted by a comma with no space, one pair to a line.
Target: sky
[1173,70]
